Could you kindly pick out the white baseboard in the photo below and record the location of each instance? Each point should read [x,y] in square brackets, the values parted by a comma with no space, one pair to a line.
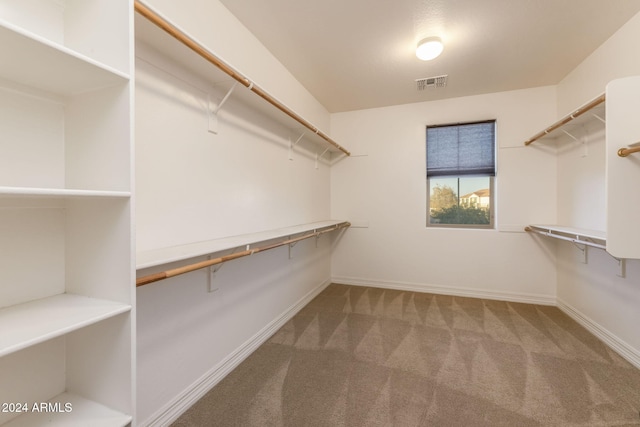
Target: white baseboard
[171,411]
[448,290]
[618,345]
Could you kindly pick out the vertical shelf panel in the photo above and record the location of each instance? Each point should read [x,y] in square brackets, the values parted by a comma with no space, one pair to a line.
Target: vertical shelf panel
[623,173]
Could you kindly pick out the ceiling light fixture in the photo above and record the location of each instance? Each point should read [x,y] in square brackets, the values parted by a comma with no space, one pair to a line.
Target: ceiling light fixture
[429,48]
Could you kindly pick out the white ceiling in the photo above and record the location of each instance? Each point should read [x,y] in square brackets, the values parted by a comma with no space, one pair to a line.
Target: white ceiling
[356,54]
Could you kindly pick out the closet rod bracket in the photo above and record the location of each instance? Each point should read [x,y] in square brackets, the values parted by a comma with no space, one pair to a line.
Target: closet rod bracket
[570,135]
[621,271]
[582,249]
[293,145]
[214,109]
[318,157]
[211,286]
[599,118]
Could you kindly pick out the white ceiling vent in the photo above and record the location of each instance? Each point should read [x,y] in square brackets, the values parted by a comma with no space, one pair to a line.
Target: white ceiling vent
[437,81]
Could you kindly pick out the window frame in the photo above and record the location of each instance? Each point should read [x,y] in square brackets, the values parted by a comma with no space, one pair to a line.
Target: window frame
[492,180]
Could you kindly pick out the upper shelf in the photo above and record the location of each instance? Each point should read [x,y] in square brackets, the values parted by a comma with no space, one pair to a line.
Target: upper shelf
[593,110]
[39,63]
[156,31]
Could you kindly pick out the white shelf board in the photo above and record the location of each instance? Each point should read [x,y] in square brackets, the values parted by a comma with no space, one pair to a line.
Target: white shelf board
[150,35]
[33,61]
[161,256]
[30,323]
[61,193]
[83,413]
[573,231]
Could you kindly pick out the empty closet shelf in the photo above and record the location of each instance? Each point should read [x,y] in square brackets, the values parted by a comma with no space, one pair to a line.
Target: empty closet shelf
[61,193]
[581,236]
[47,66]
[161,256]
[24,325]
[249,244]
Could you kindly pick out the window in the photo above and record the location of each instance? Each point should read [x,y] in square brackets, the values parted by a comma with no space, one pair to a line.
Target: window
[460,174]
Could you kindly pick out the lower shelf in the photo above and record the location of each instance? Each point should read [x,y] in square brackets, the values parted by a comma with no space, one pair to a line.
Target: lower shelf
[151,258]
[69,410]
[581,236]
[24,325]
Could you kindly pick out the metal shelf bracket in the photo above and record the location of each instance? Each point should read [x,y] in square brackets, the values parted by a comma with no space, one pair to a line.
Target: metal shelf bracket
[213,109]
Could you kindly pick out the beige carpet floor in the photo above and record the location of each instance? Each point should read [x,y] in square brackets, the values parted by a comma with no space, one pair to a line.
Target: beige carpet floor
[358,356]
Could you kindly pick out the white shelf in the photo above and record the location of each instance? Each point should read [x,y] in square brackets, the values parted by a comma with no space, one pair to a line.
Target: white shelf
[60,193]
[36,62]
[24,325]
[83,413]
[579,236]
[572,231]
[161,256]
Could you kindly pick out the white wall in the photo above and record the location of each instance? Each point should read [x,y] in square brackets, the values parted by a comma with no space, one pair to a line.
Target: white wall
[383,188]
[617,57]
[593,291]
[192,185]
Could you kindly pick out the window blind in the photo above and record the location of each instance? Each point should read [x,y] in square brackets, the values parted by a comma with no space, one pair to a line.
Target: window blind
[461,149]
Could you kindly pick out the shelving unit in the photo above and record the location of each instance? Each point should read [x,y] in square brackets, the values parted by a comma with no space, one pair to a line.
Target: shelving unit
[155,31]
[617,109]
[66,270]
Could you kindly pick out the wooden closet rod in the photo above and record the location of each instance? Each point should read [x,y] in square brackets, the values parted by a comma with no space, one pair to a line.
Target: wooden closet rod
[145,280]
[624,152]
[204,53]
[580,111]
